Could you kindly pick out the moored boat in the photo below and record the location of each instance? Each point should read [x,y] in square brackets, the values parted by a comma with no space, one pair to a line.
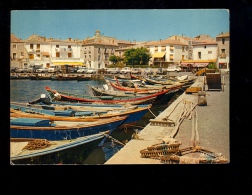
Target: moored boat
[108,92]
[13,76]
[81,113]
[44,76]
[23,75]
[67,77]
[41,128]
[63,96]
[84,77]
[42,151]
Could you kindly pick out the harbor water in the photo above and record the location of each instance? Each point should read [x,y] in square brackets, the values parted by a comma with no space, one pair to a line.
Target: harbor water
[27,90]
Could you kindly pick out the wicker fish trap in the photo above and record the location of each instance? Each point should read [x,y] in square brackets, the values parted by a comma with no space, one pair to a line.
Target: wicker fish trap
[157,150]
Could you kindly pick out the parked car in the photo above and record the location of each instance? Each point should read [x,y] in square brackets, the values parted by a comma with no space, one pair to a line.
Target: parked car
[173,69]
[82,70]
[91,71]
[125,70]
[136,71]
[42,70]
[72,70]
[54,69]
[148,71]
[113,70]
[24,70]
[13,69]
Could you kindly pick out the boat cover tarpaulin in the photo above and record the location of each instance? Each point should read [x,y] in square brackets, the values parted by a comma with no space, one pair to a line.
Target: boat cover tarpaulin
[30,122]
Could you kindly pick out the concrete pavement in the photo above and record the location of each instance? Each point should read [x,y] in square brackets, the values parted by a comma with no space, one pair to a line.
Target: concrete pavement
[212,126]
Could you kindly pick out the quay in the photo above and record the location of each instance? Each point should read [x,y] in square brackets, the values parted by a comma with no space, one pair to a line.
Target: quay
[211,128]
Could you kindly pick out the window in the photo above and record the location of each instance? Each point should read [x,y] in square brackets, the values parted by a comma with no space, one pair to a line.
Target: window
[14,55]
[69,46]
[57,46]
[223,41]
[22,53]
[156,48]
[31,56]
[209,52]
[14,46]
[31,46]
[222,50]
[38,46]
[57,54]
[205,47]
[183,48]
[69,55]
[199,55]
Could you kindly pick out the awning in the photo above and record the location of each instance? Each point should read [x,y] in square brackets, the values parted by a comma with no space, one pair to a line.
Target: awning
[158,55]
[200,64]
[69,63]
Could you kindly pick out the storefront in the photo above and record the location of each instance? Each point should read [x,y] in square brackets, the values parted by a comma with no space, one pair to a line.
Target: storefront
[194,65]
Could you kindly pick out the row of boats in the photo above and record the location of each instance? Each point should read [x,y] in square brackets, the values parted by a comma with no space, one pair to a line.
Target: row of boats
[51,76]
[60,121]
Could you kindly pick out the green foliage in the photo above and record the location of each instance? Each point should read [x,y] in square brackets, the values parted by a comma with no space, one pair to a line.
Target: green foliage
[114,59]
[138,56]
[212,65]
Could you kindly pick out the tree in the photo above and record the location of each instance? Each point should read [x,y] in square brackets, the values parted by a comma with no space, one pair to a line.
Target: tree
[113,59]
[138,56]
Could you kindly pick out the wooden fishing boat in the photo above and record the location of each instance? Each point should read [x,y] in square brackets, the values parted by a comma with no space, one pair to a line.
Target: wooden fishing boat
[44,76]
[142,89]
[40,110]
[67,77]
[42,151]
[108,92]
[33,76]
[23,75]
[63,96]
[84,77]
[55,77]
[160,82]
[82,113]
[134,77]
[41,128]
[13,76]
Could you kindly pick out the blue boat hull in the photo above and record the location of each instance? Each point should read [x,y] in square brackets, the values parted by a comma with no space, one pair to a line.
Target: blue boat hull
[57,133]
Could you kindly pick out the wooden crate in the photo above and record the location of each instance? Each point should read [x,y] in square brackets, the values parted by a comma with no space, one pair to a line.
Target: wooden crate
[213,81]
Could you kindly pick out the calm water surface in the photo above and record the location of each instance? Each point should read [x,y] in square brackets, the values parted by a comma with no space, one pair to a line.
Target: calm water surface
[27,90]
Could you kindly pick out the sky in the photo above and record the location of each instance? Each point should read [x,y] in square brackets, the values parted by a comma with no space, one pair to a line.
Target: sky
[128,24]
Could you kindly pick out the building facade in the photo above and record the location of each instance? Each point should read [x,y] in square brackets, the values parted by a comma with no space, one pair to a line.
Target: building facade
[223,41]
[94,52]
[167,52]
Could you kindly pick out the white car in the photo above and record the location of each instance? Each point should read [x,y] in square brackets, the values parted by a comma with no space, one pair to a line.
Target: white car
[113,70]
[125,70]
[42,70]
[148,71]
[82,70]
[91,71]
[173,69]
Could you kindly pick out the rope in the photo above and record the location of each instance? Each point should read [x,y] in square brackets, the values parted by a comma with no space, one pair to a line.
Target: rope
[152,112]
[115,140]
[37,144]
